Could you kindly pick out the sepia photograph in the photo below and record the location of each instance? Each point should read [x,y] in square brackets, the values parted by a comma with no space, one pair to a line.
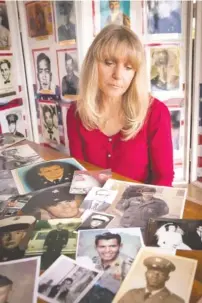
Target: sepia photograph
[68,72]
[49,122]
[136,203]
[13,231]
[7,81]
[19,280]
[65,19]
[8,139]
[51,238]
[155,276]
[184,234]
[12,121]
[5,38]
[96,220]
[18,156]
[45,174]
[66,281]
[165,68]
[39,18]
[84,181]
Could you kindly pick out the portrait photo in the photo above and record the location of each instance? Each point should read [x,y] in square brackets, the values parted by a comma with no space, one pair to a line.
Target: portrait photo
[7,72]
[39,18]
[45,174]
[49,122]
[19,280]
[13,122]
[18,156]
[141,283]
[66,281]
[185,234]
[135,204]
[13,232]
[5,39]
[84,181]
[7,139]
[7,185]
[65,22]
[96,220]
[54,202]
[52,238]
[68,72]
[165,69]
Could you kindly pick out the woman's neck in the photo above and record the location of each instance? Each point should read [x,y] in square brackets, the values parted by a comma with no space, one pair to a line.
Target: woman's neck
[111,105]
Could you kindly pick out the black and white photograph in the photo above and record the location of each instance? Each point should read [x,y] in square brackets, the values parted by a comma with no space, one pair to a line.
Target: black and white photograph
[68,72]
[12,121]
[52,238]
[184,234]
[99,199]
[7,84]
[13,236]
[65,22]
[14,157]
[110,250]
[64,108]
[96,220]
[142,285]
[49,122]
[19,280]
[5,39]
[66,281]
[175,127]
[8,187]
[14,204]
[7,139]
[135,204]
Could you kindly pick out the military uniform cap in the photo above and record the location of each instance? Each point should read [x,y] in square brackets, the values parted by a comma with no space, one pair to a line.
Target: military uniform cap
[12,118]
[16,223]
[159,263]
[100,217]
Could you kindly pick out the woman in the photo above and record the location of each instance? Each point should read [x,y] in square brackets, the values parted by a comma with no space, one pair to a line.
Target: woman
[116,124]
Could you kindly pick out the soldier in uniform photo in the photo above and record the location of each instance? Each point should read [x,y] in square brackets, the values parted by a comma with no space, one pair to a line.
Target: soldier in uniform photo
[70,81]
[44,74]
[158,270]
[116,15]
[5,68]
[5,288]
[12,120]
[66,31]
[49,115]
[96,221]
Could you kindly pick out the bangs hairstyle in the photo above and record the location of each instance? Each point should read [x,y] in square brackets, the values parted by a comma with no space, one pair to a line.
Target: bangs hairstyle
[114,42]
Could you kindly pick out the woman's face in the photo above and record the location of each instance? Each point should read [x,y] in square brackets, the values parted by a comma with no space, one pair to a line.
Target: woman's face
[114,76]
[64,209]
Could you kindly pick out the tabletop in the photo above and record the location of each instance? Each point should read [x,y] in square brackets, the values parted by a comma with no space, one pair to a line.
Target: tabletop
[191,211]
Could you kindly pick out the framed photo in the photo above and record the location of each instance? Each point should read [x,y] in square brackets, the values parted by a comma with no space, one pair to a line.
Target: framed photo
[7,72]
[7,186]
[64,110]
[5,39]
[13,121]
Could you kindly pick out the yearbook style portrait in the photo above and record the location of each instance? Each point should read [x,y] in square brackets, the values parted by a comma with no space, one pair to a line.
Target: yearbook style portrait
[19,280]
[12,121]
[141,284]
[66,281]
[96,220]
[7,139]
[45,174]
[52,238]
[5,39]
[7,84]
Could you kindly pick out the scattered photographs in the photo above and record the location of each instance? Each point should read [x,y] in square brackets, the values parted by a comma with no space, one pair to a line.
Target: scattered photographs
[19,280]
[7,72]
[65,281]
[14,204]
[65,108]
[7,186]
[42,175]
[12,120]
[96,220]
[5,39]
[171,269]
[84,181]
[8,139]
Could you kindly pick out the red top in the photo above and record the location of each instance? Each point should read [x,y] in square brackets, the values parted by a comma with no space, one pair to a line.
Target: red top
[147,158]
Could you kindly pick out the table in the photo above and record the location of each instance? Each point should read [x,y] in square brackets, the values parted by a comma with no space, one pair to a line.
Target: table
[192,211]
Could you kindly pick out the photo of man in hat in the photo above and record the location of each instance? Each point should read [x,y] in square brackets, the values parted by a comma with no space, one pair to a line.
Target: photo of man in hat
[12,120]
[70,80]
[50,123]
[5,288]
[96,221]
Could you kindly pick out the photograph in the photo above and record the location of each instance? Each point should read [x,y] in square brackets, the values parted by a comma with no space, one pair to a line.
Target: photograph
[12,121]
[7,185]
[68,72]
[45,174]
[175,127]
[7,79]
[84,181]
[53,202]
[12,205]
[155,276]
[49,122]
[183,234]
[13,236]
[64,109]
[65,19]
[8,139]
[5,38]
[19,280]
[136,203]
[52,238]
[43,71]
[18,156]
[110,250]
[165,69]
[39,18]
[99,199]
[66,281]
[96,220]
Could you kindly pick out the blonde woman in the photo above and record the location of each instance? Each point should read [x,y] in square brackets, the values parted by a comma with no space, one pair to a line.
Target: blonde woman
[116,124]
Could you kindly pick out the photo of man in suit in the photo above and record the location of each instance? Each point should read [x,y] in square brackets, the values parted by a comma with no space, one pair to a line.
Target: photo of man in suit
[70,81]
[5,68]
[67,30]
[5,288]
[101,199]
[12,120]
[50,122]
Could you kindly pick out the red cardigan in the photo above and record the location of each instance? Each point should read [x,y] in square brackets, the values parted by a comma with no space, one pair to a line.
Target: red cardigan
[147,158]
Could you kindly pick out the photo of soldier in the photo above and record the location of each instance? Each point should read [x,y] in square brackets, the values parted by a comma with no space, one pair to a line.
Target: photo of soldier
[49,121]
[12,120]
[65,16]
[70,80]
[96,221]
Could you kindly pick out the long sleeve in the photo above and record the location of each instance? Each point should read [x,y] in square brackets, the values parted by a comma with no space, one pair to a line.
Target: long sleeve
[160,146]
[74,137]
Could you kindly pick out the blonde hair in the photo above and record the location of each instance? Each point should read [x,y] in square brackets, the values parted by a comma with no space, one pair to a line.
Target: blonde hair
[114,41]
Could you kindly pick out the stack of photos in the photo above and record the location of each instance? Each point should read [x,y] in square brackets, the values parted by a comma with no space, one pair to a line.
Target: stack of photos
[66,281]
[7,188]
[84,181]
[8,139]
